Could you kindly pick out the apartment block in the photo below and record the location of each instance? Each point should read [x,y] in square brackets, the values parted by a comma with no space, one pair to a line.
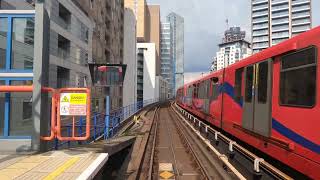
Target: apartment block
[274,21]
[107,46]
[232,49]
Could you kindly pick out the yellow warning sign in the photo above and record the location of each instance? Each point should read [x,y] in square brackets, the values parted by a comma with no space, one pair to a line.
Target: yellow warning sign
[166,175]
[73,104]
[65,99]
[78,98]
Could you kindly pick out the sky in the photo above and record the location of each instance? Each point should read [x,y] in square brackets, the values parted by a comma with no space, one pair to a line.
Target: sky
[205,23]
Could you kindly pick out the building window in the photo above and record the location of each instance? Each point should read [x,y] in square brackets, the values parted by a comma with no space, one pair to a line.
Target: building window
[22,43]
[63,76]
[63,47]
[298,78]
[3,41]
[64,14]
[20,111]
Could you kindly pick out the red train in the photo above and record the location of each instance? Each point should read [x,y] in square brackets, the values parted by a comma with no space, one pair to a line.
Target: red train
[270,101]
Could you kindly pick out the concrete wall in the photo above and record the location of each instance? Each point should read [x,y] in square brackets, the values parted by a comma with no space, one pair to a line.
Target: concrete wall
[155,32]
[75,61]
[139,7]
[162,89]
[130,58]
[149,70]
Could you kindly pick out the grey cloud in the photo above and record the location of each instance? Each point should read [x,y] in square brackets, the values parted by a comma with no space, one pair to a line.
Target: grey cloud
[205,23]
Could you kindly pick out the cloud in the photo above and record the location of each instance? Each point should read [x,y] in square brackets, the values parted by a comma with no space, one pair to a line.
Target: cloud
[205,23]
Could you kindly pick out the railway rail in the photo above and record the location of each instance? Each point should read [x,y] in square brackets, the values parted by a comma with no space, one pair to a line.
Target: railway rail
[258,169]
[172,144]
[180,146]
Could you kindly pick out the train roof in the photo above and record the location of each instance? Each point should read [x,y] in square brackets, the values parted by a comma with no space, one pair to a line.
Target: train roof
[281,48]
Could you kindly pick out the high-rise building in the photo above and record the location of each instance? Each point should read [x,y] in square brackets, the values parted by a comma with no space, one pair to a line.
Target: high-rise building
[177,40]
[274,21]
[108,44]
[148,24]
[232,49]
[100,40]
[214,65]
[172,48]
[167,71]
[141,11]
[154,27]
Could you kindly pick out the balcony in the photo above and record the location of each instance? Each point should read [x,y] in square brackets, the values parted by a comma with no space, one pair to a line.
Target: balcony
[300,2]
[256,2]
[277,2]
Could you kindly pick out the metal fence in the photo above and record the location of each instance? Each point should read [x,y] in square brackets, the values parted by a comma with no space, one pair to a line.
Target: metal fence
[103,126]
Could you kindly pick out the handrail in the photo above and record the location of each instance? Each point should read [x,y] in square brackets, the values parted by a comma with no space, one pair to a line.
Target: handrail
[258,162]
[98,126]
[53,106]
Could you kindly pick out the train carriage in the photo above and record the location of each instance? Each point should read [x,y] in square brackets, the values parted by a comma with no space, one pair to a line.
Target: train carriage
[270,101]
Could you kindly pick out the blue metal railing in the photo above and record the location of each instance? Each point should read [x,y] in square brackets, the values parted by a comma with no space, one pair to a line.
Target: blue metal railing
[103,125]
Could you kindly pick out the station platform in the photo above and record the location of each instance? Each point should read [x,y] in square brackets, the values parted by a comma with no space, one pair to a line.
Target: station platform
[83,162]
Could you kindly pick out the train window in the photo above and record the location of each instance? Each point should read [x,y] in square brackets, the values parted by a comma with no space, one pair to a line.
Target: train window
[298,80]
[215,88]
[196,91]
[215,91]
[208,88]
[190,91]
[249,84]
[238,85]
[263,82]
[200,90]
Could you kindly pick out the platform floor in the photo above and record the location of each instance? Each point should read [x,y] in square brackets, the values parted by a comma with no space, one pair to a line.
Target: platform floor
[51,165]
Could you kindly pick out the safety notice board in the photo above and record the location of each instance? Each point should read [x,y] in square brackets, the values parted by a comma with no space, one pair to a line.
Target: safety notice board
[73,104]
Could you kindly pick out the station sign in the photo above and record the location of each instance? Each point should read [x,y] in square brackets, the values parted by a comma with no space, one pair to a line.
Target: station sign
[73,104]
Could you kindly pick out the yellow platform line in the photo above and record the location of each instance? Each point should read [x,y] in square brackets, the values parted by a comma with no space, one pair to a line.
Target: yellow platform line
[62,168]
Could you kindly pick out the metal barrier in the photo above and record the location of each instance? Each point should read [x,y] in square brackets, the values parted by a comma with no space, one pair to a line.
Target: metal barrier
[53,106]
[100,128]
[86,103]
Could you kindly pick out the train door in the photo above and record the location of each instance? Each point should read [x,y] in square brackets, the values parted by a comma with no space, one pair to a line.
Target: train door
[206,100]
[257,99]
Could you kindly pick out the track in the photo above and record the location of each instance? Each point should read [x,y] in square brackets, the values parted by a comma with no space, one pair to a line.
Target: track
[174,144]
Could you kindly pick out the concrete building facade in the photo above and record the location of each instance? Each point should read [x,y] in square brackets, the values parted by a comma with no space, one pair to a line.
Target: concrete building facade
[141,11]
[146,81]
[56,57]
[130,58]
[154,27]
[232,49]
[70,42]
[230,53]
[274,21]
[107,44]
[162,89]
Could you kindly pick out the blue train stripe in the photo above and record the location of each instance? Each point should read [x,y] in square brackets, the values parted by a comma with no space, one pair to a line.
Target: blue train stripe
[276,125]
